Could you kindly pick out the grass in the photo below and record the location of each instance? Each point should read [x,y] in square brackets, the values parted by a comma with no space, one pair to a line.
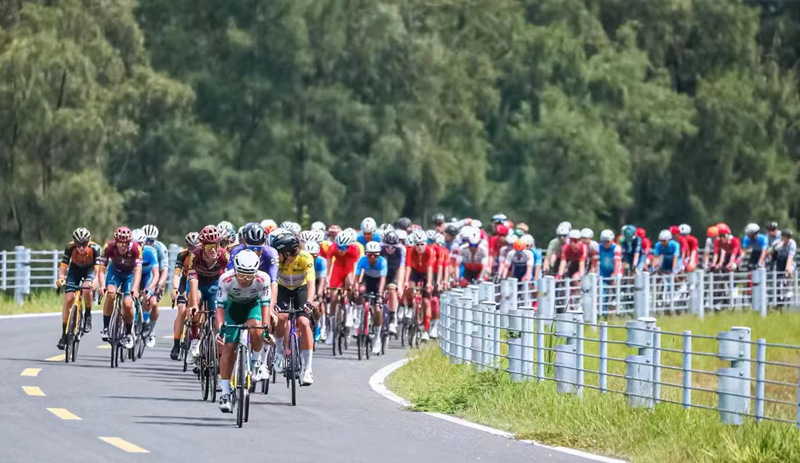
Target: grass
[36,302]
[603,423]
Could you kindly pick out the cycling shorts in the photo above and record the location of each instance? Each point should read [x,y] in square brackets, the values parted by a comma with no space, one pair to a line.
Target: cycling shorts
[572,268]
[208,294]
[372,284]
[122,281]
[237,313]
[74,276]
[182,290]
[299,295]
[338,275]
[417,277]
[391,277]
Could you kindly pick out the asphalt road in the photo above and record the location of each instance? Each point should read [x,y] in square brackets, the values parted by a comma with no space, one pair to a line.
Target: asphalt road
[152,407]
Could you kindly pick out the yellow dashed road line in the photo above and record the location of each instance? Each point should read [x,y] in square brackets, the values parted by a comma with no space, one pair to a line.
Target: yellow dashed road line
[33,390]
[63,413]
[30,372]
[123,445]
[104,346]
[55,358]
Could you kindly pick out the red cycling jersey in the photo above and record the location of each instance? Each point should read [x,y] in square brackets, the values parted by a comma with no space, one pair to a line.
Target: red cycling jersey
[206,272]
[691,244]
[574,252]
[344,264]
[444,256]
[123,262]
[421,261]
[733,248]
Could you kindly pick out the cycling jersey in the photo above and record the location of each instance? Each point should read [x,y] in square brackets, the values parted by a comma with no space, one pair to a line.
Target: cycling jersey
[630,247]
[396,258]
[444,256]
[691,244]
[668,251]
[376,270]
[181,262]
[608,259]
[230,290]
[297,273]
[574,253]
[473,259]
[756,244]
[162,254]
[363,240]
[421,262]
[710,246]
[320,267]
[347,261]
[268,262]
[785,251]
[206,273]
[555,247]
[732,248]
[519,261]
[124,262]
[592,251]
[88,258]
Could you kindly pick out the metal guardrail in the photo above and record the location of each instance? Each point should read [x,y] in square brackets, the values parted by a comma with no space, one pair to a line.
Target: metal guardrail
[638,359]
[23,269]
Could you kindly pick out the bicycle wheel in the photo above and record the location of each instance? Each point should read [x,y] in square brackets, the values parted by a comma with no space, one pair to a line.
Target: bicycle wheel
[247,384]
[240,389]
[139,326]
[366,332]
[185,344]
[335,327]
[270,359]
[76,336]
[205,377]
[213,368]
[70,334]
[293,366]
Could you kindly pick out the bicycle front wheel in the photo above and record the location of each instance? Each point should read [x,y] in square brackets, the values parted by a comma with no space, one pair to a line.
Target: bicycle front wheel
[70,334]
[293,366]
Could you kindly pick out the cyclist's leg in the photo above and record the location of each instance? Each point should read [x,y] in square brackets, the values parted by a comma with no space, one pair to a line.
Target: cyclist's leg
[228,350]
[74,275]
[303,322]
[126,286]
[282,327]
[112,283]
[180,318]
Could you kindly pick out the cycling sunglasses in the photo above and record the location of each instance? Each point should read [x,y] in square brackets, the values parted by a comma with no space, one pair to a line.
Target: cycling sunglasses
[246,276]
[150,240]
[211,247]
[255,248]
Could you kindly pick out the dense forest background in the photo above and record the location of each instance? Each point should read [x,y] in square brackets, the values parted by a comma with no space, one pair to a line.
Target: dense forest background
[187,112]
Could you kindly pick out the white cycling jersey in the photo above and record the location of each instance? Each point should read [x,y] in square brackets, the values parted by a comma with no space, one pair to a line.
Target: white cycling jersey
[231,290]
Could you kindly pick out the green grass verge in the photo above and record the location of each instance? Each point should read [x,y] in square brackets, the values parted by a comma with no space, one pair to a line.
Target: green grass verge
[36,302]
[603,423]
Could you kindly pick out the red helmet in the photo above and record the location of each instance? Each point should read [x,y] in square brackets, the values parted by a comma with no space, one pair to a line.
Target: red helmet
[640,232]
[723,229]
[519,245]
[123,235]
[210,235]
[502,230]
[713,231]
[675,230]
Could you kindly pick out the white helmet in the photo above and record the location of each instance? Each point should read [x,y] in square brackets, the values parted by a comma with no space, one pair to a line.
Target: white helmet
[574,234]
[685,229]
[368,225]
[474,237]
[528,239]
[344,239]
[664,235]
[750,229]
[246,262]
[268,223]
[372,246]
[606,235]
[224,225]
[312,248]
[510,238]
[563,229]
[402,235]
[419,237]
[587,233]
[306,236]
[318,226]
[138,235]
[409,238]
[319,236]
[150,231]
[477,223]
[350,232]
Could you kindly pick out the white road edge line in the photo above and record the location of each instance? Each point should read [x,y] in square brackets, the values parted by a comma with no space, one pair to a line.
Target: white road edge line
[53,314]
[378,384]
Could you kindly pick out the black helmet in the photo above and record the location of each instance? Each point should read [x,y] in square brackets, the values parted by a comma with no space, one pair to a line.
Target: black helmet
[772,226]
[254,236]
[451,229]
[787,232]
[403,223]
[390,238]
[438,219]
[286,243]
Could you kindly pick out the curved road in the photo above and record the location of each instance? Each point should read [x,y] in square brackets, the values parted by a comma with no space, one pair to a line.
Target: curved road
[52,411]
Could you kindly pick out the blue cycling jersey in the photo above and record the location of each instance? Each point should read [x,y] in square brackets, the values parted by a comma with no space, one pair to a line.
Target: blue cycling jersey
[629,248]
[379,269]
[267,264]
[759,243]
[668,252]
[163,255]
[375,237]
[606,257]
[320,267]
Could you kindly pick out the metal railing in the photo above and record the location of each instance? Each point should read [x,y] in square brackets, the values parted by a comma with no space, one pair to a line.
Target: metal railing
[638,359]
[23,269]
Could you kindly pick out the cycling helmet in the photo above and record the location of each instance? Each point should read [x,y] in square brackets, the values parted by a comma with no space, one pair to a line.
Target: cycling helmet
[606,235]
[751,229]
[334,230]
[295,228]
[473,237]
[674,229]
[723,229]
[524,227]
[319,236]
[286,243]
[587,233]
[286,225]
[138,235]
[268,225]
[246,262]
[224,234]
[372,247]
[439,239]
[81,236]
[409,239]
[150,231]
[438,219]
[628,231]
[276,233]
[501,230]
[477,223]
[403,223]
[499,218]
[191,239]
[306,236]
[402,235]
[391,238]
[210,235]
[318,226]
[368,225]
[511,238]
[787,232]
[419,237]
[431,236]
[255,236]
[685,229]
[773,226]
[351,234]
[123,235]
[518,233]
[664,235]
[385,228]
[240,233]
[343,240]
[225,225]
[528,239]
[574,234]
[519,245]
[712,231]
[451,229]
[312,248]
[563,229]
[641,232]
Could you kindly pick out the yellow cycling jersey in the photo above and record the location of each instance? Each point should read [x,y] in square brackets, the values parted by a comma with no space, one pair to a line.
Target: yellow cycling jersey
[297,273]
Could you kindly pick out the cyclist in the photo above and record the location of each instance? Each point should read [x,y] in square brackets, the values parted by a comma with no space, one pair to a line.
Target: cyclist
[757,244]
[727,250]
[151,239]
[244,295]
[519,262]
[690,261]
[126,256]
[773,238]
[321,272]
[206,264]
[342,260]
[191,240]
[372,270]
[296,281]
[508,246]
[497,240]
[631,246]
[438,222]
[395,254]
[368,232]
[667,254]
[708,251]
[473,258]
[256,240]
[78,270]
[647,246]
[420,265]
[609,265]
[592,247]
[573,257]
[150,276]
[554,248]
[227,234]
[785,250]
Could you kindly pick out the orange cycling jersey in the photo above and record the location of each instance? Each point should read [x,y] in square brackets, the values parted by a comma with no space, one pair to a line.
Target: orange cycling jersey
[88,257]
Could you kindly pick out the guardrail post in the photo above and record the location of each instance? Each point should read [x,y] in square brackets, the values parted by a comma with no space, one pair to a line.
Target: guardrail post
[466,326]
[515,344]
[687,369]
[603,354]
[759,301]
[55,254]
[567,357]
[452,313]
[476,330]
[579,321]
[539,360]
[696,304]
[3,270]
[546,300]
[641,295]
[463,302]
[589,297]
[19,274]
[761,375]
[639,368]
[656,364]
[443,321]
[27,271]
[734,383]
[488,312]
[508,301]
[527,340]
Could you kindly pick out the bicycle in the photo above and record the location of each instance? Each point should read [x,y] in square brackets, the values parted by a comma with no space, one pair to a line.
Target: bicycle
[341,333]
[76,324]
[411,321]
[116,331]
[207,364]
[185,341]
[242,377]
[138,323]
[366,326]
[293,361]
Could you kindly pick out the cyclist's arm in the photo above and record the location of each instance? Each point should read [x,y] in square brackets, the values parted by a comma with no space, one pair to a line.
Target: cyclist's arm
[528,271]
[675,258]
[137,278]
